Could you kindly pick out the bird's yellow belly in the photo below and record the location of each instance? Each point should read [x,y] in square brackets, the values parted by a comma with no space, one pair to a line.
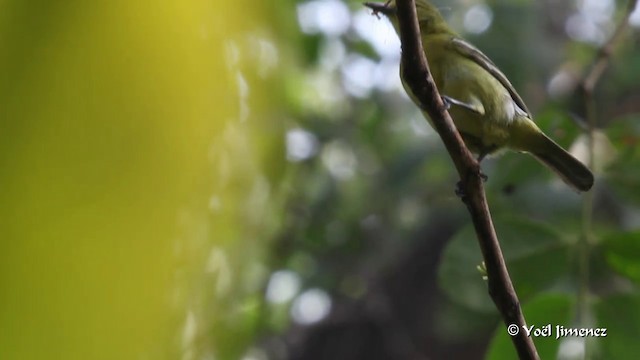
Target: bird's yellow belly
[486,127]
[481,134]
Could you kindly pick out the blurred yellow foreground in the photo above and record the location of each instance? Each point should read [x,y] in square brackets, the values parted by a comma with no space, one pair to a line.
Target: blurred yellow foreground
[108,111]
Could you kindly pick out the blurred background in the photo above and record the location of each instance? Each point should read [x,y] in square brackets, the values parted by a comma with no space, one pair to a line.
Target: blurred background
[203,180]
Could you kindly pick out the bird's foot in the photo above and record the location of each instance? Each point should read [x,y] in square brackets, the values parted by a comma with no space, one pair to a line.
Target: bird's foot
[460,191]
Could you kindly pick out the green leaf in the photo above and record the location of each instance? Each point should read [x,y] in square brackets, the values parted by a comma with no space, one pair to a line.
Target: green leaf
[544,312]
[620,315]
[624,173]
[455,323]
[535,255]
[622,253]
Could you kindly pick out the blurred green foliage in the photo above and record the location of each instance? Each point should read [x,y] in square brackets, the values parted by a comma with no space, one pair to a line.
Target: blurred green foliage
[362,226]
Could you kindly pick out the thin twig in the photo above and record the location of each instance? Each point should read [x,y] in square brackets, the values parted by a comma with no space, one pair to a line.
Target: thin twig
[602,60]
[418,77]
[588,84]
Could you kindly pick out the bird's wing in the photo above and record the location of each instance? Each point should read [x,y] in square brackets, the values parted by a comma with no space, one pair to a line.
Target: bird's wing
[474,104]
[471,52]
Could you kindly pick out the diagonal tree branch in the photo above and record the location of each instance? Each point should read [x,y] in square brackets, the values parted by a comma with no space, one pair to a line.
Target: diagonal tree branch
[418,77]
[602,60]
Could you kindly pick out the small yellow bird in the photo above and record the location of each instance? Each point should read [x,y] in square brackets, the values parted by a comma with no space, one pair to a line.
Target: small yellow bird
[487,110]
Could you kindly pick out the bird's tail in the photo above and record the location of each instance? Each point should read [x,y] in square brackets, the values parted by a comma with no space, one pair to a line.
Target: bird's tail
[570,169]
